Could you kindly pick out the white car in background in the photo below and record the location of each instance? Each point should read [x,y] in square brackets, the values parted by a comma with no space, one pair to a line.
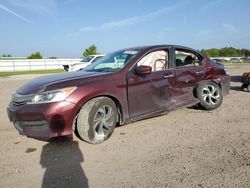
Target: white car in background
[83,63]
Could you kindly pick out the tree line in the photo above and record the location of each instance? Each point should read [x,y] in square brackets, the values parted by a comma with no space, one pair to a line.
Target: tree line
[226,52]
[5,55]
[91,50]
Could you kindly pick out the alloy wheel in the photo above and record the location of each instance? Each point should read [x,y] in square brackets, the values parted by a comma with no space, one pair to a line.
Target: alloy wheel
[210,95]
[103,121]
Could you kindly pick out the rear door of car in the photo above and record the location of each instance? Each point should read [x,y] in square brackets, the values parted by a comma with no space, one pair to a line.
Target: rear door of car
[189,71]
[148,94]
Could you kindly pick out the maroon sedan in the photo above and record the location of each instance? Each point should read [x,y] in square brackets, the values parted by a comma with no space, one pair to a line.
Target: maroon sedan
[124,86]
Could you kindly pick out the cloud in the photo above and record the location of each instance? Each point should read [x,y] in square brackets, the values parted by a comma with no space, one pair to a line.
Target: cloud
[130,21]
[69,1]
[229,27]
[184,20]
[167,29]
[211,4]
[164,33]
[87,29]
[4,8]
[47,7]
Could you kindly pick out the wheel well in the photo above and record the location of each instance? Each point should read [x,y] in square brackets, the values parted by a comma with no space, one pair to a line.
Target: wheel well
[119,108]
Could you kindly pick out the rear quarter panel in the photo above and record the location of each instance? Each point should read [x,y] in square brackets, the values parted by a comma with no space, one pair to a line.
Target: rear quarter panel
[216,73]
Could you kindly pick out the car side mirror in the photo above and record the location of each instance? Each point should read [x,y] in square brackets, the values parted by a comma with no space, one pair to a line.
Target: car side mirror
[143,70]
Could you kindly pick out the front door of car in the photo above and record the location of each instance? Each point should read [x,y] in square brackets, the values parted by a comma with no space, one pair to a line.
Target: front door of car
[188,73]
[150,93]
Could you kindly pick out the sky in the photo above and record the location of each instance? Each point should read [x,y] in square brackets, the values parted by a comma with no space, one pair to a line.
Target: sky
[64,28]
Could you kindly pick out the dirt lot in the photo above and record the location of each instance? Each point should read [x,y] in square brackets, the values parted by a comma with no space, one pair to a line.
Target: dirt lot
[186,148]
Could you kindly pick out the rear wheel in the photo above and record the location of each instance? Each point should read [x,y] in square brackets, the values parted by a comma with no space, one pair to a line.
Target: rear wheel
[210,95]
[96,120]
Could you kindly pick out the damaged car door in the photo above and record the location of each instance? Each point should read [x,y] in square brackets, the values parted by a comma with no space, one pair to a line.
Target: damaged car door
[189,72]
[149,85]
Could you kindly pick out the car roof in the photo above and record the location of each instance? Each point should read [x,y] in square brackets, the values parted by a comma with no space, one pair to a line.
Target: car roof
[151,47]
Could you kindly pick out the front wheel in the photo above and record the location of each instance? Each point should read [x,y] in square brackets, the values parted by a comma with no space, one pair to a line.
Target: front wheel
[96,120]
[210,95]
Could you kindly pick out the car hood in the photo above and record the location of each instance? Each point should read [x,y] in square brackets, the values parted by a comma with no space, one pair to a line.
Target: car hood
[81,63]
[40,84]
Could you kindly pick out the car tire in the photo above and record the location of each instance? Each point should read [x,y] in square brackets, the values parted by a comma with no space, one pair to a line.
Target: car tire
[210,95]
[96,120]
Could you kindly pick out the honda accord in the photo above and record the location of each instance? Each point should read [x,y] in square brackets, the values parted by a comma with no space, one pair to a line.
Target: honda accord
[122,87]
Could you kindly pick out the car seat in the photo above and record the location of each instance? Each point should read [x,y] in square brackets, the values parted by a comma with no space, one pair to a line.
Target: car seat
[189,60]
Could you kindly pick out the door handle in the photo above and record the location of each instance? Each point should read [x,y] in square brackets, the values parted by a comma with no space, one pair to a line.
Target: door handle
[168,76]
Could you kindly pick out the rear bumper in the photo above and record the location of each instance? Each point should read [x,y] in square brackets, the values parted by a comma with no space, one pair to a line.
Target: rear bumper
[43,121]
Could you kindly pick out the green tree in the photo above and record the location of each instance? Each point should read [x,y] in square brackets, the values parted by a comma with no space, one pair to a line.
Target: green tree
[228,51]
[245,52]
[225,52]
[92,50]
[213,52]
[35,55]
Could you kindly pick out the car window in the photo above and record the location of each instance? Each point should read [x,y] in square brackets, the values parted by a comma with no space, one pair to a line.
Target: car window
[158,60]
[112,62]
[185,58]
[87,59]
[98,57]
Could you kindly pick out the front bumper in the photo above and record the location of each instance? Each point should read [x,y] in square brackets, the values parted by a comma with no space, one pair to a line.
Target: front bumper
[43,121]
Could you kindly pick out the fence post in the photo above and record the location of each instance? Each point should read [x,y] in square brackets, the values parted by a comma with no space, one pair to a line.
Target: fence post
[29,65]
[14,66]
[45,64]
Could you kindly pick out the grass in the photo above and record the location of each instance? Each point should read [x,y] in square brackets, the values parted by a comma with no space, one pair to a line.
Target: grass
[30,72]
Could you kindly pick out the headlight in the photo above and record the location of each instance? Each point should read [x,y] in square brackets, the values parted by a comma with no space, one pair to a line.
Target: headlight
[52,96]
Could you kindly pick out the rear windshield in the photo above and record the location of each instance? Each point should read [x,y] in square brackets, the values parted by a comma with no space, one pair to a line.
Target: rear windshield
[87,59]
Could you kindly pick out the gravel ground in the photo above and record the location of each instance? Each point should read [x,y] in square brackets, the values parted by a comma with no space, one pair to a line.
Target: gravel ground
[185,148]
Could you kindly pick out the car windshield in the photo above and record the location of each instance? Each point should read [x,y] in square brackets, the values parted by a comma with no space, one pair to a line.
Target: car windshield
[112,62]
[87,59]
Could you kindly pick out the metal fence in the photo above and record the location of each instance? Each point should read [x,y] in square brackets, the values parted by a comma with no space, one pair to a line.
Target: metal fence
[34,64]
